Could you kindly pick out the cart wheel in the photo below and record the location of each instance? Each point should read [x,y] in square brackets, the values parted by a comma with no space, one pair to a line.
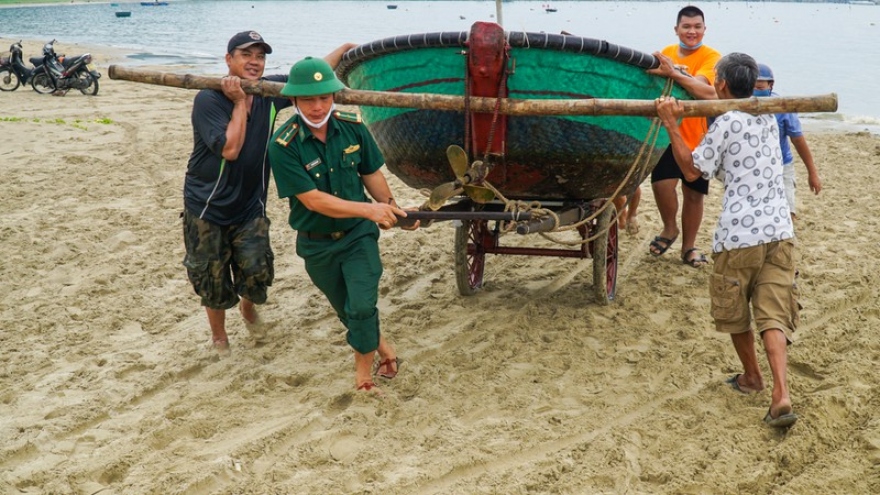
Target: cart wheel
[470,256]
[604,252]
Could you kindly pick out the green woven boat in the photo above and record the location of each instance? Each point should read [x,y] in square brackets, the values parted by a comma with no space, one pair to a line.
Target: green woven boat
[533,157]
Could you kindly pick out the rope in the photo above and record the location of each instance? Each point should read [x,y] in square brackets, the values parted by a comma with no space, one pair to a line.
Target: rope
[652,136]
[467,107]
[502,84]
[640,165]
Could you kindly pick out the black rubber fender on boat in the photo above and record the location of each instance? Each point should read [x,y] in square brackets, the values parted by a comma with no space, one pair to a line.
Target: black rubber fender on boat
[521,39]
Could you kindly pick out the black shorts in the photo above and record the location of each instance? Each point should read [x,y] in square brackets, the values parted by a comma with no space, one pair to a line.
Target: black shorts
[667,169]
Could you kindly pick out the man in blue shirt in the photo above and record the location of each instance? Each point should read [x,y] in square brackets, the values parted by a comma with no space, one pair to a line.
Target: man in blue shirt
[789,129]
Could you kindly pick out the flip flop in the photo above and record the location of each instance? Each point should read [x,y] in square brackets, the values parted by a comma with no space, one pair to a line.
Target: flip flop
[783,421]
[660,248]
[733,381]
[697,261]
[390,372]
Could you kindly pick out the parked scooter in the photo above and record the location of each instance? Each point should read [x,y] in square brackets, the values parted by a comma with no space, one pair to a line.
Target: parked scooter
[75,73]
[13,71]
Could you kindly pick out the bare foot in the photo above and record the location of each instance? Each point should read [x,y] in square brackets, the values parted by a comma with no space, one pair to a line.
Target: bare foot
[221,346]
[632,226]
[252,321]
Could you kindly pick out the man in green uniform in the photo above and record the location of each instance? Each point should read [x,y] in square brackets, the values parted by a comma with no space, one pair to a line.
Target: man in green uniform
[322,160]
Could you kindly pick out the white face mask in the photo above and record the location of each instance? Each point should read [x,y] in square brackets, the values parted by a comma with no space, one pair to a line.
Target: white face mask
[316,125]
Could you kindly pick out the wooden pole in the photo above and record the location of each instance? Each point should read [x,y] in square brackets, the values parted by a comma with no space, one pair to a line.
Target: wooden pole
[508,106]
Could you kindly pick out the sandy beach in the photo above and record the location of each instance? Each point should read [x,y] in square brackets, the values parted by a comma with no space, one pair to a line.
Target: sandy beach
[108,384]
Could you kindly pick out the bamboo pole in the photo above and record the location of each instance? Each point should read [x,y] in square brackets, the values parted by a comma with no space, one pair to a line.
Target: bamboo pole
[508,106]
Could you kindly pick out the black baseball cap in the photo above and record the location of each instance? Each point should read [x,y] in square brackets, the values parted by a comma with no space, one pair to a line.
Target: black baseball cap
[245,39]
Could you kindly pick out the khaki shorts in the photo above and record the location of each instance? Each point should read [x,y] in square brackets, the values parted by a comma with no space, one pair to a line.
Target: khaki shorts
[761,275]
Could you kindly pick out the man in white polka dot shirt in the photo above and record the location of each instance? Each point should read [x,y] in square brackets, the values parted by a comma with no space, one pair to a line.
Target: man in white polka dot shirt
[753,251]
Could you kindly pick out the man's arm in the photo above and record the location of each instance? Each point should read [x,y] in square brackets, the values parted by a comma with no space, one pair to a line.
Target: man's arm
[333,58]
[382,213]
[377,186]
[697,86]
[803,150]
[237,127]
[670,110]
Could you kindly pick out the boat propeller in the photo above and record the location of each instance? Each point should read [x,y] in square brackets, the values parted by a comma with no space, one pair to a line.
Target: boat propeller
[467,180]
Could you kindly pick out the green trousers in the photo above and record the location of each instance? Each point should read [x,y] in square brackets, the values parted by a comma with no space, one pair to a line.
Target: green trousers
[347,271]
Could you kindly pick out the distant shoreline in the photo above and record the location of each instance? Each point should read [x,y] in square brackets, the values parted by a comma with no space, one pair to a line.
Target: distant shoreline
[54,3]
[37,3]
[106,55]
[48,3]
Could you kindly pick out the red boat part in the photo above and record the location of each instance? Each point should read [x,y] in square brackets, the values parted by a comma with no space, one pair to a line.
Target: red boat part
[487,65]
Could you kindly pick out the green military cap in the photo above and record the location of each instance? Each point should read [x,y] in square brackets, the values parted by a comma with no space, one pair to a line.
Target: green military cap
[311,77]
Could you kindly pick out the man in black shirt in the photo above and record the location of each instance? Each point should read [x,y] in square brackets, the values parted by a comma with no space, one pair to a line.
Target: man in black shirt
[226,230]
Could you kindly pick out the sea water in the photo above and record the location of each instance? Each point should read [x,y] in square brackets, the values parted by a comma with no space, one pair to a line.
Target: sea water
[813,48]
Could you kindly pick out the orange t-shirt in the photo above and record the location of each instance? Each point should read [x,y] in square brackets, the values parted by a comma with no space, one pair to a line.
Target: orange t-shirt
[700,63]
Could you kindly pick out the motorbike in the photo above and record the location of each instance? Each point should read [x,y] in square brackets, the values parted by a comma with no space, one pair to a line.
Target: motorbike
[13,71]
[61,74]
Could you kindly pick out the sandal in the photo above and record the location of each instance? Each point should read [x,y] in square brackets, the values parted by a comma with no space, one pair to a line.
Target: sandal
[371,387]
[784,420]
[660,249]
[733,381]
[390,372]
[696,261]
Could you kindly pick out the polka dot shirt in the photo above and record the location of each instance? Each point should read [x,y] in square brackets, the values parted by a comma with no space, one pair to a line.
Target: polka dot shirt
[742,151]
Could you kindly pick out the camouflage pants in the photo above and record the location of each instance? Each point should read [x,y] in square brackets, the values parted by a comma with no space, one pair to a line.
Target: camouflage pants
[225,262]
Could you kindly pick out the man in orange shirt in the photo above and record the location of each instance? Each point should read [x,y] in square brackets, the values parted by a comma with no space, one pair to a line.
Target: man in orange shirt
[692,66]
